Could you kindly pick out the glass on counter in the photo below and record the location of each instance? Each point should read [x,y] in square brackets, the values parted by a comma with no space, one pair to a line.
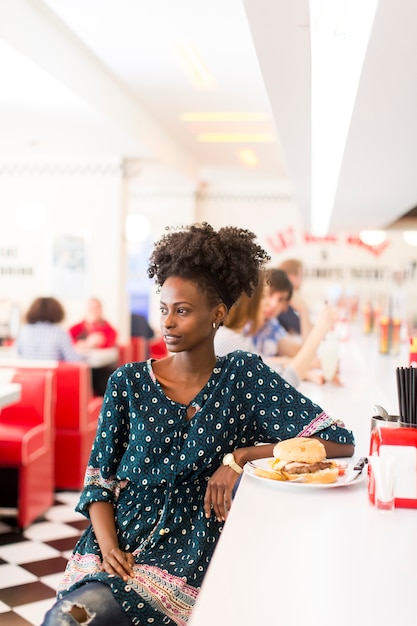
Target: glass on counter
[389,335]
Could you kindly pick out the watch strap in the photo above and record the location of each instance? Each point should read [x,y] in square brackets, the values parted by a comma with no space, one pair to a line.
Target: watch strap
[229,461]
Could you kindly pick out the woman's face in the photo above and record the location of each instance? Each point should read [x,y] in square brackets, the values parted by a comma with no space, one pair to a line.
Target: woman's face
[186,316]
[274,303]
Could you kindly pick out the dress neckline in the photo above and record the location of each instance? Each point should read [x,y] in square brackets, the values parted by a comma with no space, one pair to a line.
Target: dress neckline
[197,401]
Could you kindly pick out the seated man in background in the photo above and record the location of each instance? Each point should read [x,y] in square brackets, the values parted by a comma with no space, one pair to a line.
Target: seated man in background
[296,318]
[272,339]
[91,333]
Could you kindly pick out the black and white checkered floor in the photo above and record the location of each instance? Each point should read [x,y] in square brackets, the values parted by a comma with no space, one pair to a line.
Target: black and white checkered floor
[32,561]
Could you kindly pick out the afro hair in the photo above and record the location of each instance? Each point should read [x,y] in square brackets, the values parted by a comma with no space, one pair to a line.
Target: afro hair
[227,261]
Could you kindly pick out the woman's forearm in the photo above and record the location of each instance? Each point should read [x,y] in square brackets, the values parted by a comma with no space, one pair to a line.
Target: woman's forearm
[102,520]
[333,450]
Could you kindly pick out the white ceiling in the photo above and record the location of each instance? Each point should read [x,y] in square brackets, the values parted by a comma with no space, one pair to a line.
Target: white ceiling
[99,77]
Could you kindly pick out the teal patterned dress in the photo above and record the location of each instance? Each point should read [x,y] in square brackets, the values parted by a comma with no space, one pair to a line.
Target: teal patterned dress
[153,466]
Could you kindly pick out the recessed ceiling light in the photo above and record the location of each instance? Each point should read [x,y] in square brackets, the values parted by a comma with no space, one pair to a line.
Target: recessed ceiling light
[248,158]
[223,116]
[236,137]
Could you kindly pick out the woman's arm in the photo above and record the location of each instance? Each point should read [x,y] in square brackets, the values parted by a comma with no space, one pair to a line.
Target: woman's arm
[335,449]
[305,357]
[218,498]
[298,303]
[115,561]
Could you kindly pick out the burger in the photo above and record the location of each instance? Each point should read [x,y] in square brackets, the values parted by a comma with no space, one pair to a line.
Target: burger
[301,458]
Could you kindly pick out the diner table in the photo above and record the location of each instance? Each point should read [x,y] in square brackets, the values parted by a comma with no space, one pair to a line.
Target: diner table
[100,357]
[297,555]
[95,357]
[9,393]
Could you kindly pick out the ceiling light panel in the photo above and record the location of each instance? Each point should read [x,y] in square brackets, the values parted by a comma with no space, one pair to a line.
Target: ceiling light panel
[223,116]
[236,137]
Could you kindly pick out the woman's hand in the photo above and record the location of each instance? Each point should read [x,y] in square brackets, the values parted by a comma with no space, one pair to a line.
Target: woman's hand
[218,498]
[118,562]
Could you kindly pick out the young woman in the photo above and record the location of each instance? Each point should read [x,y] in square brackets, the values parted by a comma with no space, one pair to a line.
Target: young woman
[172,439]
[42,337]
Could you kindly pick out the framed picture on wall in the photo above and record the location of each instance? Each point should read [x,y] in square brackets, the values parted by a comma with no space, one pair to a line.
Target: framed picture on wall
[69,266]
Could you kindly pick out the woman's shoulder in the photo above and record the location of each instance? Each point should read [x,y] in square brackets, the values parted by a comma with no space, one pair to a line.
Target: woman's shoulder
[243,359]
[132,369]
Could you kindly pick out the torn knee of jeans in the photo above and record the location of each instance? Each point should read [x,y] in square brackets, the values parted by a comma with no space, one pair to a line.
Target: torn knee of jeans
[79,613]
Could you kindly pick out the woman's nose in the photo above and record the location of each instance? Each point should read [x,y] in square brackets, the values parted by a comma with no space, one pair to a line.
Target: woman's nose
[168,321]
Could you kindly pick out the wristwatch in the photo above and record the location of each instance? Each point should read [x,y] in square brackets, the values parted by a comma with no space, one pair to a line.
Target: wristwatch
[229,460]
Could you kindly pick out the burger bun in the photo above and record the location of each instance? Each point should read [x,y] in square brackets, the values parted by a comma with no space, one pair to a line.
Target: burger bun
[300,449]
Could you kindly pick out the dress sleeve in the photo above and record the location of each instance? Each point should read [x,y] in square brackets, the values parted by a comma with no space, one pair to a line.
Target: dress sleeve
[101,483]
[290,375]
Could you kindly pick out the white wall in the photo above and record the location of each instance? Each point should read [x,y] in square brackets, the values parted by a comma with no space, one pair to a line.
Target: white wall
[45,204]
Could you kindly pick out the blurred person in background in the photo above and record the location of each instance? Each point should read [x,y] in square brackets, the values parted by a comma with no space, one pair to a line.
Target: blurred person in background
[296,318]
[95,333]
[271,338]
[246,317]
[140,327]
[42,337]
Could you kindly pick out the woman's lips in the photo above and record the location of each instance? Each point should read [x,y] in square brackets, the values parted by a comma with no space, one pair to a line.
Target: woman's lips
[171,339]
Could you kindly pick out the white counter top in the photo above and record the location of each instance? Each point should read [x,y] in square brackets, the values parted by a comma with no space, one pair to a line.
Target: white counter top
[296,556]
[9,393]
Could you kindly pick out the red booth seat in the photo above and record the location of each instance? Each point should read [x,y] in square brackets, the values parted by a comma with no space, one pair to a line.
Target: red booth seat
[140,349]
[75,417]
[27,445]
[157,348]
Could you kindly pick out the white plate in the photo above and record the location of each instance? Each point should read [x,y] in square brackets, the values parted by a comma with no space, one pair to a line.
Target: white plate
[340,482]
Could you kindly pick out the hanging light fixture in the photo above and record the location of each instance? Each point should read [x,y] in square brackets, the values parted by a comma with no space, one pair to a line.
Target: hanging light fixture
[373,237]
[410,237]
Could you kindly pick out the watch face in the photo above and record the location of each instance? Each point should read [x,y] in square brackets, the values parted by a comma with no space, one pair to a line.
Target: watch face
[229,458]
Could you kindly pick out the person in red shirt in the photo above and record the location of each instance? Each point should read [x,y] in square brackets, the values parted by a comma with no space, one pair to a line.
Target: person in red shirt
[91,333]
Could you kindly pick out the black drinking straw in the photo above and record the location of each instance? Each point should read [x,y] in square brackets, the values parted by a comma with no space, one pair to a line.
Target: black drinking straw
[413,395]
[401,394]
[410,395]
[406,395]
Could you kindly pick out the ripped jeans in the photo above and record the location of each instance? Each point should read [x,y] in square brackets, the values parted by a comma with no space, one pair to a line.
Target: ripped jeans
[92,604]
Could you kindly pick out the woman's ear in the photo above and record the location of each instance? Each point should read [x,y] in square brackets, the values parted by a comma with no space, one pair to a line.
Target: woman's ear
[220,314]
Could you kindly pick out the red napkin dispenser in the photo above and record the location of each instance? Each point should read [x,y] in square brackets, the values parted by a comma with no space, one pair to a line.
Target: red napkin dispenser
[401,444]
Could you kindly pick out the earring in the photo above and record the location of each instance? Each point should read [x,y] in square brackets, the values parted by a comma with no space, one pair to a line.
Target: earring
[214,325]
